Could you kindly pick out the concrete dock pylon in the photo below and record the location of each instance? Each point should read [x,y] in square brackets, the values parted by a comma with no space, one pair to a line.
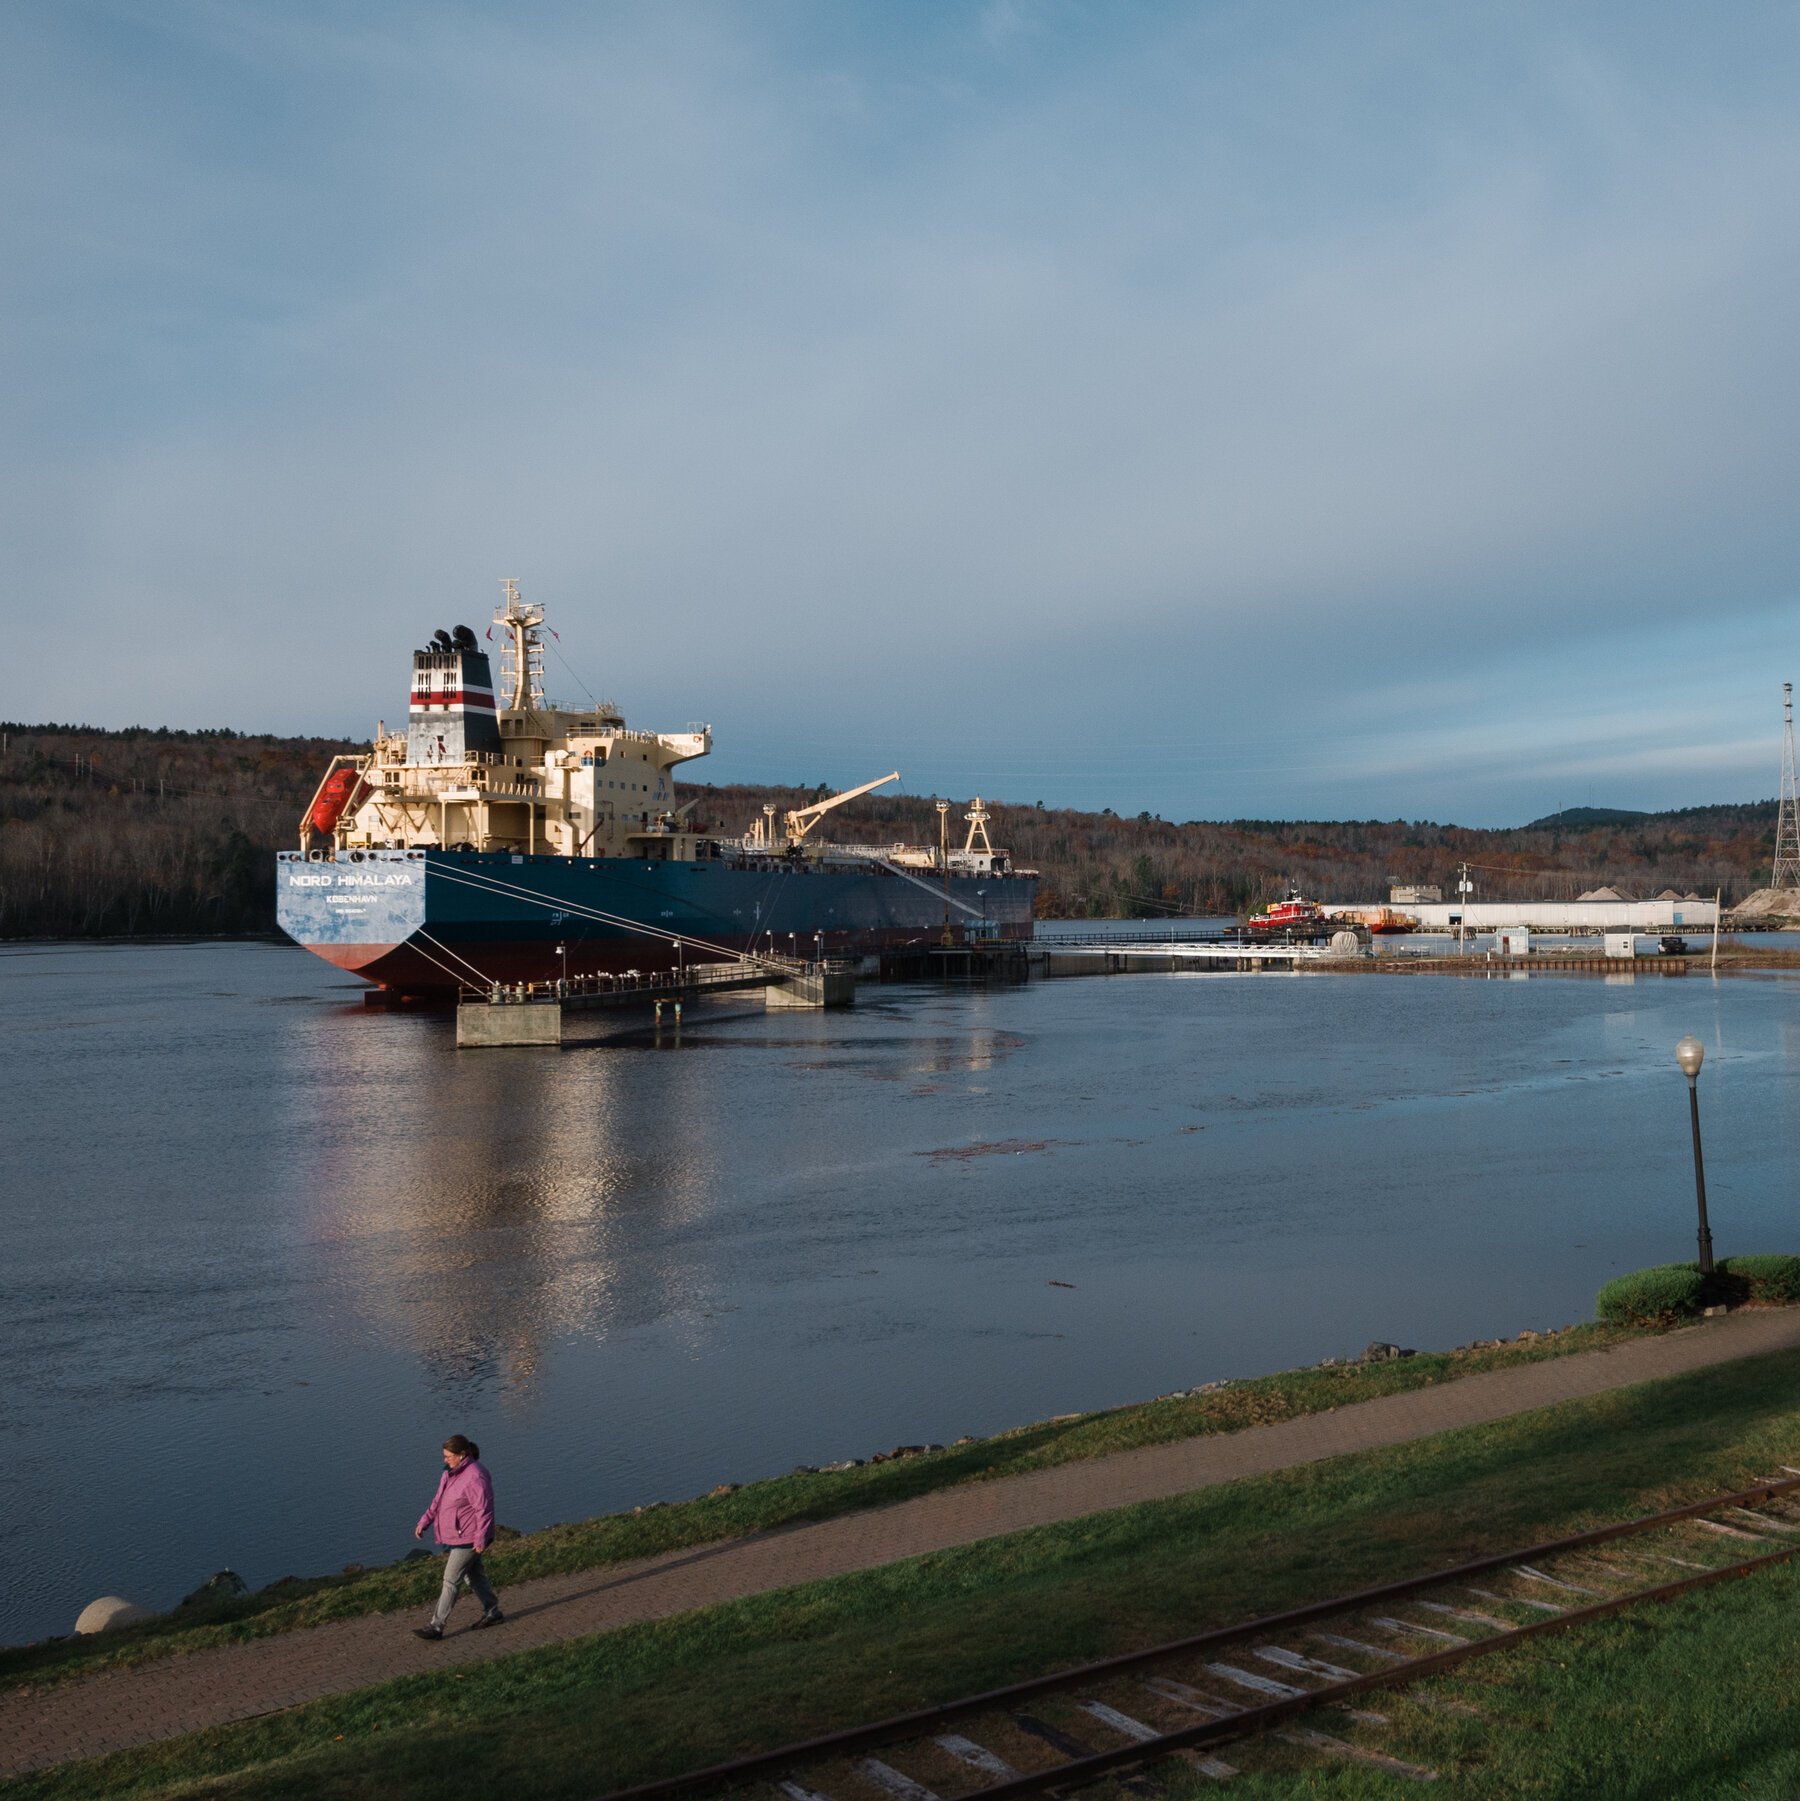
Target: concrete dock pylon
[813,988]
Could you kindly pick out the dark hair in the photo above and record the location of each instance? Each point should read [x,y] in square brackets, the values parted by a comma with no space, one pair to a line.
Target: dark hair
[459,1446]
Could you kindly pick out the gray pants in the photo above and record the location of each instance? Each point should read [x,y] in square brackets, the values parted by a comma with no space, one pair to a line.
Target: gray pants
[464,1560]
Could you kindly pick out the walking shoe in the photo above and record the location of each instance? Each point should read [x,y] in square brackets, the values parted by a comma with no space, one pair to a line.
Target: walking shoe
[496,1618]
[428,1632]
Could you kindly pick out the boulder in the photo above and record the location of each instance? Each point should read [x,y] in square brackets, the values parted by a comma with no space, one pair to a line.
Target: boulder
[1384,1353]
[110,1611]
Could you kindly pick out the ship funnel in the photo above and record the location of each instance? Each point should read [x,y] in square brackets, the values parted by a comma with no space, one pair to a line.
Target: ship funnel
[451,716]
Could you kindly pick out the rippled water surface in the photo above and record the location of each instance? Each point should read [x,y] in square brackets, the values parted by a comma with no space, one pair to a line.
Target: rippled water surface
[264,1249]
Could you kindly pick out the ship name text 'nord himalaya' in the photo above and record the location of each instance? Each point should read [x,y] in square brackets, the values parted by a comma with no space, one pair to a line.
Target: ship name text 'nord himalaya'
[502,838]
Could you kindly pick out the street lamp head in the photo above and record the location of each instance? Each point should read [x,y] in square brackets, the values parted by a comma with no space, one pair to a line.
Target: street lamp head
[1690,1053]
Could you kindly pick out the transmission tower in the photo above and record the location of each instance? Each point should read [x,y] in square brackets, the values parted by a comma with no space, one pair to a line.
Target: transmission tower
[1787,820]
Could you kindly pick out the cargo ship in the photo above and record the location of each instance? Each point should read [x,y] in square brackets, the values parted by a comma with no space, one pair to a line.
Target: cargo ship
[502,838]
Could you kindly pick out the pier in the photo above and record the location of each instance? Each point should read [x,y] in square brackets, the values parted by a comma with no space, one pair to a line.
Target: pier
[533,1013]
[973,961]
[1103,956]
[1114,955]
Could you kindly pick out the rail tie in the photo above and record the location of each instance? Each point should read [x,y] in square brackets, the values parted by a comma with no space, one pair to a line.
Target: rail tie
[1221,1721]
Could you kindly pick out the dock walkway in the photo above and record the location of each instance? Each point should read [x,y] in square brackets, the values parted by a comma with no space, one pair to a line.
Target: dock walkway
[112,1712]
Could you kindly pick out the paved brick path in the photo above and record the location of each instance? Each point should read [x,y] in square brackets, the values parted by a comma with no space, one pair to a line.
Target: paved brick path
[111,1712]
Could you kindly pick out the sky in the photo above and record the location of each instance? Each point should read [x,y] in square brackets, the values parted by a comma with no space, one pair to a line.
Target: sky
[1227,410]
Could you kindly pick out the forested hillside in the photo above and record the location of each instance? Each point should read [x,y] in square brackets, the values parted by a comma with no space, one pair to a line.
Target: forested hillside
[144,832]
[1099,865]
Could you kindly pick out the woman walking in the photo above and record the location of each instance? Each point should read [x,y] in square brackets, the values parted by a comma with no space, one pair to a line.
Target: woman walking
[461,1516]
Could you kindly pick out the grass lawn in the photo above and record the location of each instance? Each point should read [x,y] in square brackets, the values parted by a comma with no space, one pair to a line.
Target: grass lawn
[1684,1700]
[1693,1700]
[786,1500]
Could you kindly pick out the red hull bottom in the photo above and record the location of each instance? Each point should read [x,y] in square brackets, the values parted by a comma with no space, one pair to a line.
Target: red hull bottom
[418,968]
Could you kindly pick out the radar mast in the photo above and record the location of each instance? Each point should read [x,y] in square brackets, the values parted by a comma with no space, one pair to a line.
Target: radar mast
[522,651]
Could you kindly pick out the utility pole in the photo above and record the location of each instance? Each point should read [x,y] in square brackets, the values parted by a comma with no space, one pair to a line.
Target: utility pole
[1786,872]
[1464,888]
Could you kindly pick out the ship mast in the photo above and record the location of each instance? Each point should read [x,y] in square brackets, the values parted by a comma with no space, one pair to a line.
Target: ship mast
[522,653]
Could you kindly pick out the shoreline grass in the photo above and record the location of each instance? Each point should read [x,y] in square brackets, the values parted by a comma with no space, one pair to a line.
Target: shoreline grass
[580,1718]
[789,1500]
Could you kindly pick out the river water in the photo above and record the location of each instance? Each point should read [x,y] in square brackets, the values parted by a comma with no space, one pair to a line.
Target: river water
[264,1249]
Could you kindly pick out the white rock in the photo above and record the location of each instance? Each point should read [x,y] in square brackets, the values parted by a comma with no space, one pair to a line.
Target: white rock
[111,1610]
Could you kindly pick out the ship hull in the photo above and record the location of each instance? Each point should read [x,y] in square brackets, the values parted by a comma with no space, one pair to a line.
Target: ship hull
[424,921]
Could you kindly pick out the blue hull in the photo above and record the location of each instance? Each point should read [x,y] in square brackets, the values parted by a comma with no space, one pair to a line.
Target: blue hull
[424,920]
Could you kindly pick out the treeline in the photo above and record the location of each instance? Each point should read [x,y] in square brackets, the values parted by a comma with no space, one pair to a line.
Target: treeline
[147,832]
[141,832]
[1098,865]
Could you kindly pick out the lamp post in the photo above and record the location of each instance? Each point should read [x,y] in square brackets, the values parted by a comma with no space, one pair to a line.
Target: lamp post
[1690,1053]
[562,950]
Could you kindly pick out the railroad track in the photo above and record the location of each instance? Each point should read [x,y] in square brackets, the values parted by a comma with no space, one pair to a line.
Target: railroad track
[1241,1683]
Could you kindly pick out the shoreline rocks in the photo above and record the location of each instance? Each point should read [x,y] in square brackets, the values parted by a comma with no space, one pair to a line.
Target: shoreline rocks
[109,1613]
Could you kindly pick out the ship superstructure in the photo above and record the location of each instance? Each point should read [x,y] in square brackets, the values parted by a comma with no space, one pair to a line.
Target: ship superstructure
[521,775]
[501,837]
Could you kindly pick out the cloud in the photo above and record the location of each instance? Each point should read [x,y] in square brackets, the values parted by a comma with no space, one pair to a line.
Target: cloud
[1025,389]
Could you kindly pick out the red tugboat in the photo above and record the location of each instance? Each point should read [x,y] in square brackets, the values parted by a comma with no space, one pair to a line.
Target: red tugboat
[1292,917]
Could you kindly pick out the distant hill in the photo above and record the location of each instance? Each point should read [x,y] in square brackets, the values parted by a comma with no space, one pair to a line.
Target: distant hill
[1579,819]
[147,832]
[1586,819]
[144,832]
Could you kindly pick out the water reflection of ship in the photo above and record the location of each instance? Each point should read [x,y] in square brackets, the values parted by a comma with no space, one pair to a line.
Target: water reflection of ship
[551,1189]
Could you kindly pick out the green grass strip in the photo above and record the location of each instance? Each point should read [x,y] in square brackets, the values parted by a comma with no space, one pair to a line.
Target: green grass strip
[577,1719]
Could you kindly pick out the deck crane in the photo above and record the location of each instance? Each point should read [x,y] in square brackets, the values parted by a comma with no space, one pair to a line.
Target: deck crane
[803,819]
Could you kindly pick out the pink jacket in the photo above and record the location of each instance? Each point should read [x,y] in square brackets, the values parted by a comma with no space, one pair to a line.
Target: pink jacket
[462,1510]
